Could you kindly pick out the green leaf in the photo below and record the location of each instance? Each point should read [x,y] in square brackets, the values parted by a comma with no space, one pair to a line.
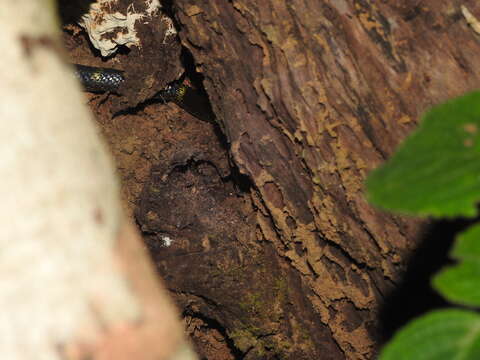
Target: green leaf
[439,335]
[461,283]
[436,172]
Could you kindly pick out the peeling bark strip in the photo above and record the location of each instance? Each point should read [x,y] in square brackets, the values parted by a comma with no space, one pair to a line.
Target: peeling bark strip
[113,23]
[75,283]
[311,95]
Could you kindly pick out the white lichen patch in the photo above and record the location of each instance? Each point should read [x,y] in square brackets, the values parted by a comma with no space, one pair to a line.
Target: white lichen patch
[152,6]
[108,28]
[171,31]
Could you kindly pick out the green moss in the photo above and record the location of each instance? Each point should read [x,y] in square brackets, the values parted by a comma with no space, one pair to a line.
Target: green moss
[283,346]
[234,272]
[243,339]
[260,311]
[253,304]
[280,288]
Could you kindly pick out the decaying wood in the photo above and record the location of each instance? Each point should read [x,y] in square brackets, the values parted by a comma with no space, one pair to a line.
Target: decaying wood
[76,282]
[311,95]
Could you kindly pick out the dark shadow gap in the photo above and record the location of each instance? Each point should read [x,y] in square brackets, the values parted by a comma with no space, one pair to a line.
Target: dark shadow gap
[414,296]
[71,11]
[242,182]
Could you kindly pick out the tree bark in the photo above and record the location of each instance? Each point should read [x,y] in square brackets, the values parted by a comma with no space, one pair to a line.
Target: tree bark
[311,95]
[76,282]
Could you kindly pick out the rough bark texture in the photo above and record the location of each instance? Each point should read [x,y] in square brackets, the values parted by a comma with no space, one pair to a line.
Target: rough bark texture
[267,242]
[311,95]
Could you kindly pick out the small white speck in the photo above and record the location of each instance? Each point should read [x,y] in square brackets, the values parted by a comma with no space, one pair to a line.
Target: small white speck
[167,240]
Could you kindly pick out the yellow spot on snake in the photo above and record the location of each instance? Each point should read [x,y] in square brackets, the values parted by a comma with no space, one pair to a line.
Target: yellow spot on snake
[96,76]
[181,93]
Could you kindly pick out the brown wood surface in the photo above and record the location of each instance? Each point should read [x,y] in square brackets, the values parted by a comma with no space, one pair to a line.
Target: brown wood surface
[311,95]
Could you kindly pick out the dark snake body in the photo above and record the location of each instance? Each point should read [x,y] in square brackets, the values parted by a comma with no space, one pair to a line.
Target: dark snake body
[97,79]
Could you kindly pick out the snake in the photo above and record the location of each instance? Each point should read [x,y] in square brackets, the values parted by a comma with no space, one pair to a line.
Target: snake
[99,80]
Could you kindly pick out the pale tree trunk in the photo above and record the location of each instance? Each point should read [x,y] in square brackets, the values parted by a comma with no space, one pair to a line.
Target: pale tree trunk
[75,281]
